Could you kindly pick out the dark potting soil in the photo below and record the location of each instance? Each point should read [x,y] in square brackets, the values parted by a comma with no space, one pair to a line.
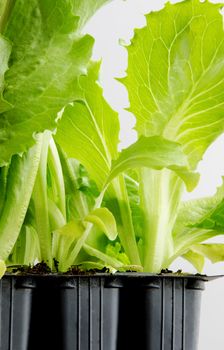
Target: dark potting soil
[38,269]
[43,269]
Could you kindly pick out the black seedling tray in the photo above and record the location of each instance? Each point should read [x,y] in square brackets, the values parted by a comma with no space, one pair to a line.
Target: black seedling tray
[100,312]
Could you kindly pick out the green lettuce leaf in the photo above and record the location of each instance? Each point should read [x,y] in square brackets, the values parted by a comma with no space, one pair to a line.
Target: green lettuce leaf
[175,75]
[85,8]
[5,51]
[203,212]
[157,153]
[89,129]
[20,181]
[3,186]
[104,219]
[63,241]
[132,186]
[197,260]
[212,251]
[175,81]
[198,220]
[46,60]
[69,239]
[197,254]
[26,249]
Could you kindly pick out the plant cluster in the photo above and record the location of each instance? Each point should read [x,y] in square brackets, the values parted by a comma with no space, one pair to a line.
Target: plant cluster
[66,193]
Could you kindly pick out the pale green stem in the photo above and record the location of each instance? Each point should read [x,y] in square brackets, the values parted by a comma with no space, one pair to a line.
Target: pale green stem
[3,186]
[116,264]
[125,227]
[56,217]
[80,200]
[73,255]
[57,175]
[41,204]
[160,193]
[6,7]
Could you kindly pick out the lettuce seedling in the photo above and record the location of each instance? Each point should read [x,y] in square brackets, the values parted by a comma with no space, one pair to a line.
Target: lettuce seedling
[175,80]
[43,52]
[72,197]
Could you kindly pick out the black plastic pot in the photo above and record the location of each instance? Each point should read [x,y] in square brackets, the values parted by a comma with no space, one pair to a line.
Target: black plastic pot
[15,312]
[101,312]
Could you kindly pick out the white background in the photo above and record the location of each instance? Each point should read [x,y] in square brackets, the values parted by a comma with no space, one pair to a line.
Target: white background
[114,22]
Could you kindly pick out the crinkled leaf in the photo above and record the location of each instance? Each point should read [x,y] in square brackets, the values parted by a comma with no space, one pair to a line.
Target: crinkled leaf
[175,75]
[203,213]
[214,220]
[188,237]
[153,152]
[212,251]
[85,9]
[46,60]
[105,220]
[196,259]
[88,130]
[117,252]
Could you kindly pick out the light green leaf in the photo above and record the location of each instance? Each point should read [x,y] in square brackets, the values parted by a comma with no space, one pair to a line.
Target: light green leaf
[2,268]
[3,186]
[6,7]
[189,237]
[26,250]
[134,200]
[20,182]
[105,220]
[213,251]
[198,220]
[196,259]
[107,259]
[80,191]
[202,213]
[73,229]
[85,9]
[63,241]
[154,152]
[88,130]
[116,251]
[5,50]
[175,75]
[46,60]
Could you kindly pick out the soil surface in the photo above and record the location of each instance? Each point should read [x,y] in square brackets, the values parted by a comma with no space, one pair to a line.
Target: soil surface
[42,269]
